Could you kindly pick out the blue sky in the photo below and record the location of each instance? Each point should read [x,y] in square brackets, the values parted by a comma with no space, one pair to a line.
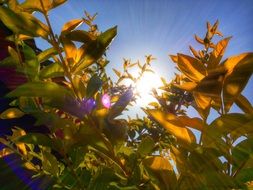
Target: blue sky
[163,27]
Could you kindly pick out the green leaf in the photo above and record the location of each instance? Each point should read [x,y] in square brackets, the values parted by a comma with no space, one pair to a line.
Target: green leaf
[14,55]
[8,62]
[50,163]
[239,70]
[93,86]
[39,89]
[121,104]
[11,113]
[146,146]
[242,153]
[224,125]
[46,54]
[23,23]
[191,67]
[32,65]
[79,84]
[51,71]
[96,49]
[36,139]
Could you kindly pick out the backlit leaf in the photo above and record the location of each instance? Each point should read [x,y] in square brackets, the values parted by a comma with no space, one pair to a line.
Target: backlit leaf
[169,122]
[163,170]
[93,86]
[243,103]
[46,54]
[11,113]
[239,70]
[146,146]
[71,25]
[36,139]
[80,36]
[23,23]
[117,72]
[39,89]
[203,103]
[217,53]
[51,71]
[187,86]
[50,163]
[31,62]
[191,67]
[35,5]
[121,104]
[96,49]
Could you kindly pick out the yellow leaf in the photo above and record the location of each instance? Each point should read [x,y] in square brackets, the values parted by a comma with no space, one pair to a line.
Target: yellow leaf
[195,123]
[217,53]
[30,166]
[5,152]
[239,70]
[175,127]
[201,100]
[174,58]
[191,67]
[70,49]
[16,133]
[71,25]
[35,5]
[203,104]
[243,103]
[11,113]
[163,170]
[117,72]
[188,86]
[158,163]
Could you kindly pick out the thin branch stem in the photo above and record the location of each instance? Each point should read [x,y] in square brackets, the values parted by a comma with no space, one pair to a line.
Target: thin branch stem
[55,44]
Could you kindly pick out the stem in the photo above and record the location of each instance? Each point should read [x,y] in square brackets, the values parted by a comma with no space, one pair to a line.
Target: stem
[72,171]
[55,44]
[239,169]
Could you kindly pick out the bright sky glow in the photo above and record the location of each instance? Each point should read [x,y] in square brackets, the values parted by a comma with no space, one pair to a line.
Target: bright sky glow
[144,87]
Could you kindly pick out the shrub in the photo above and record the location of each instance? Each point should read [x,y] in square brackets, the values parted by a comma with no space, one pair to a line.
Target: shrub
[77,140]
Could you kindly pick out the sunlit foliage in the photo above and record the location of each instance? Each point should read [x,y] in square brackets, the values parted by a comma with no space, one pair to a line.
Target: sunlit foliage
[87,145]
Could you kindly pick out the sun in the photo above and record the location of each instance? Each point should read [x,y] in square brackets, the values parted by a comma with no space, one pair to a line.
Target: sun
[144,88]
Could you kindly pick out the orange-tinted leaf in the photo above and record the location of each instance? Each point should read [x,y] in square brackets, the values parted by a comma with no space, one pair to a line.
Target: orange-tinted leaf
[170,122]
[174,58]
[163,170]
[195,123]
[239,70]
[243,103]
[11,113]
[80,36]
[198,39]
[69,48]
[71,25]
[191,67]
[117,72]
[203,104]
[194,52]
[217,53]
[188,86]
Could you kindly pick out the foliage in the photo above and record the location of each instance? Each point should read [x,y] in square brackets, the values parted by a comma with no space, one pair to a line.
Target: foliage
[87,146]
